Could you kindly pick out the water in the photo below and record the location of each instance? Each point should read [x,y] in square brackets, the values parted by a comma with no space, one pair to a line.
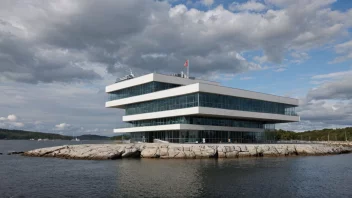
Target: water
[318,176]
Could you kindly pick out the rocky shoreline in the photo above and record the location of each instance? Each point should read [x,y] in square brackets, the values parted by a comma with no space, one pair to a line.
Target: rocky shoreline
[184,151]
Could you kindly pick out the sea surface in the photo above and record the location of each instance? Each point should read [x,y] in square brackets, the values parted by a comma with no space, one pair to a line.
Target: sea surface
[317,176]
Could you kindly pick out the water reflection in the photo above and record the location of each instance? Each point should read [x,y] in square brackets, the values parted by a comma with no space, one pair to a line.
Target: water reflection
[159,178]
[254,177]
[201,178]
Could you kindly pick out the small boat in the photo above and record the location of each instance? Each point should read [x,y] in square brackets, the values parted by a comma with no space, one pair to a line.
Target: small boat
[31,139]
[76,139]
[39,139]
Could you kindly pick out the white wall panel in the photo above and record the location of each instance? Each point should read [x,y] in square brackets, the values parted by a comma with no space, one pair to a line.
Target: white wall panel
[193,88]
[130,83]
[162,114]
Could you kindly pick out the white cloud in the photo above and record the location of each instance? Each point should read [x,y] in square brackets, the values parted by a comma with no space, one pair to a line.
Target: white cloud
[281,69]
[343,47]
[10,122]
[17,124]
[208,2]
[306,125]
[336,85]
[344,50]
[299,57]
[251,5]
[340,59]
[336,89]
[261,59]
[329,105]
[312,3]
[62,126]
[334,75]
[12,117]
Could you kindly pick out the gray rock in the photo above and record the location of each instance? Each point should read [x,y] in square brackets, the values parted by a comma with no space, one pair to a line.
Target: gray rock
[189,154]
[232,154]
[183,151]
[131,152]
[149,152]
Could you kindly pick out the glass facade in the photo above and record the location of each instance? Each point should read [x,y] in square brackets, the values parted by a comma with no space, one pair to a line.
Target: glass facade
[213,101]
[207,136]
[244,104]
[198,121]
[140,90]
[178,102]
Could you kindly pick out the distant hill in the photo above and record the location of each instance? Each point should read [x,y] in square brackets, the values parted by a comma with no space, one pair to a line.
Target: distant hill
[119,137]
[93,137]
[317,135]
[26,135]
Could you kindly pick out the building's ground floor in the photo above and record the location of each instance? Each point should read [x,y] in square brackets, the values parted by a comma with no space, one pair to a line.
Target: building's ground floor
[186,136]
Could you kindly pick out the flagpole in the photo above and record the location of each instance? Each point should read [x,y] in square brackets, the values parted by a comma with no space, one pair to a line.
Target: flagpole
[188,70]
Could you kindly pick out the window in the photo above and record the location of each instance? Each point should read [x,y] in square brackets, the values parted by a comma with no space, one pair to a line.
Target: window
[198,121]
[213,101]
[140,89]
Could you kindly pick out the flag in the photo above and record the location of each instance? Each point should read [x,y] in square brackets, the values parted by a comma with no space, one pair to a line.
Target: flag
[186,63]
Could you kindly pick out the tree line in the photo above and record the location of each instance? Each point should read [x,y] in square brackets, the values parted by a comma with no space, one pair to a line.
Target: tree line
[316,135]
[26,135]
[11,134]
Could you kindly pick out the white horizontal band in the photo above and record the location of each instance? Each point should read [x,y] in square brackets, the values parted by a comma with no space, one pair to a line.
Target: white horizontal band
[170,127]
[213,112]
[199,87]
[193,88]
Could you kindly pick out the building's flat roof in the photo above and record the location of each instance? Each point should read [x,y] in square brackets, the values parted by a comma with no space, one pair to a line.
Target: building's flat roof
[155,77]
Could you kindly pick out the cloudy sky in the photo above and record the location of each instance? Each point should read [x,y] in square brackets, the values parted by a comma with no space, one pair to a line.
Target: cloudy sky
[57,56]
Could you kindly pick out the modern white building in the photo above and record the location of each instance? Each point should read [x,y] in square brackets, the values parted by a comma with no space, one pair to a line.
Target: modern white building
[180,109]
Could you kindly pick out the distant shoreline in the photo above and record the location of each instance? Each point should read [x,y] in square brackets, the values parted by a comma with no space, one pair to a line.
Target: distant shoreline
[186,151]
[11,134]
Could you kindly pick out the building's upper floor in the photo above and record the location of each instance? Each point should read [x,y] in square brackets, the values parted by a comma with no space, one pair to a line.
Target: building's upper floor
[158,86]
[144,84]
